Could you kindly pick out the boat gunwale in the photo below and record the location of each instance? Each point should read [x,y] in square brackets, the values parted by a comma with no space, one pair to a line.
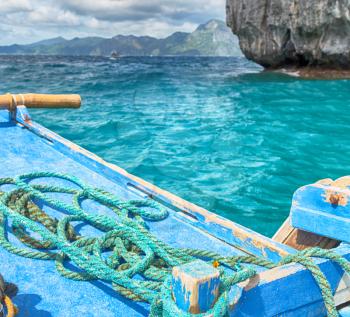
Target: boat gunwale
[221,228]
[218,227]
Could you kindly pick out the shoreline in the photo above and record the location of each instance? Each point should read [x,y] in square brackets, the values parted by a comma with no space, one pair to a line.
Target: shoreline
[313,73]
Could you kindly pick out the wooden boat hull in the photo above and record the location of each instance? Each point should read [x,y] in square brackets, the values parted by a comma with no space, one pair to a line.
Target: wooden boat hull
[27,147]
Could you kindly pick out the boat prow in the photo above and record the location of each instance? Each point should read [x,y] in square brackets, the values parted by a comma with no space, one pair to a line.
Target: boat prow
[139,248]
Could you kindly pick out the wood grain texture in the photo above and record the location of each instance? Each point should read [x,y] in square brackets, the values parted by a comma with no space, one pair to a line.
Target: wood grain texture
[300,239]
[9,101]
[195,286]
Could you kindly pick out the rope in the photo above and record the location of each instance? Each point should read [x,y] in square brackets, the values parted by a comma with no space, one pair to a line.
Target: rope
[10,307]
[124,246]
[7,290]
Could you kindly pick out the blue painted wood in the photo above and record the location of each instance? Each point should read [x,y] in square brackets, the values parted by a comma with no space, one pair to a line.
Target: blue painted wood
[43,292]
[287,291]
[344,312]
[323,209]
[238,236]
[195,286]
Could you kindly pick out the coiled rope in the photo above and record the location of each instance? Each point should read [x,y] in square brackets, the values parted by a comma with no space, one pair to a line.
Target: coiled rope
[125,247]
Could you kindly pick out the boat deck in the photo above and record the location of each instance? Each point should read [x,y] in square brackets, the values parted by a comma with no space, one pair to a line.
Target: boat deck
[27,147]
[42,291]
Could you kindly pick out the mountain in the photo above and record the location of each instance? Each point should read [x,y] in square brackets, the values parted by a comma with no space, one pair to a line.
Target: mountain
[213,38]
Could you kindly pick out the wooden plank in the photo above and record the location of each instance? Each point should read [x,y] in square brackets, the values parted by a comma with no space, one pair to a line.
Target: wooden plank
[286,290]
[323,208]
[342,296]
[322,224]
[195,286]
[300,239]
[345,311]
[291,290]
[226,230]
[24,152]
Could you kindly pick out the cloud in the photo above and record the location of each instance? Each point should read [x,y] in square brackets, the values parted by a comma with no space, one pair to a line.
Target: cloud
[135,10]
[70,18]
[53,16]
[10,6]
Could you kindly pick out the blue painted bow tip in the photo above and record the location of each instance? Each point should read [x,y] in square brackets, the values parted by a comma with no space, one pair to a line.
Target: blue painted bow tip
[195,286]
[323,208]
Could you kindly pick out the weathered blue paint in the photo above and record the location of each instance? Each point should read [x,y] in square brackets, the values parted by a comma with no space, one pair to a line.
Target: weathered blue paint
[344,312]
[239,236]
[22,112]
[195,286]
[323,209]
[234,295]
[43,292]
[290,291]
[26,147]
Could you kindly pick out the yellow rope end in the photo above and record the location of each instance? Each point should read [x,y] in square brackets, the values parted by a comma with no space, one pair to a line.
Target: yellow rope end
[12,310]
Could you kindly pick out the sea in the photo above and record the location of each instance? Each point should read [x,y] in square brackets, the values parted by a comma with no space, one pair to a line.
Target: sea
[219,132]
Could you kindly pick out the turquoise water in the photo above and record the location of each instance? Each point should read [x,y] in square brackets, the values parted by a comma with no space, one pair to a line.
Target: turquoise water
[217,132]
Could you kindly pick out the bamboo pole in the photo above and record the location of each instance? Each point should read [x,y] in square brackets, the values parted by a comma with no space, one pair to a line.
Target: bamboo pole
[9,101]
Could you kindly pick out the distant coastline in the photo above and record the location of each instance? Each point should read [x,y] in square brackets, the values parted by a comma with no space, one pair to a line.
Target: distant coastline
[213,38]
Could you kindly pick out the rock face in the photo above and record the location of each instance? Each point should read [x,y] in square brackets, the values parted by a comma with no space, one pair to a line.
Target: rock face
[296,33]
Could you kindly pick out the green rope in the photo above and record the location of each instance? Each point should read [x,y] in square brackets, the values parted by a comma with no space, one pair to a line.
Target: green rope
[132,249]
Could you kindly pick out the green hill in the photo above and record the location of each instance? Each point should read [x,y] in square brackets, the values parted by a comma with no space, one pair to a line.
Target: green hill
[213,38]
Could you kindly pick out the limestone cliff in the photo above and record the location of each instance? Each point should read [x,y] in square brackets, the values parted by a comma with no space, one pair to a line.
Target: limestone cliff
[296,33]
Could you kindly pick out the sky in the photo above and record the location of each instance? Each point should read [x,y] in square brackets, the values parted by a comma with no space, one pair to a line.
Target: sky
[27,21]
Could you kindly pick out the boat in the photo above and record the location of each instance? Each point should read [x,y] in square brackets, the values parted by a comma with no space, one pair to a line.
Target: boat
[115,55]
[83,237]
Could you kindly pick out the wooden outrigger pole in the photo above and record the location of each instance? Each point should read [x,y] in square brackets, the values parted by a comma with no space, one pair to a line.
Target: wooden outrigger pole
[10,101]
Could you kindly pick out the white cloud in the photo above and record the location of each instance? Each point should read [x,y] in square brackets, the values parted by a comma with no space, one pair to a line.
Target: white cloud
[70,18]
[54,16]
[135,10]
[8,6]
